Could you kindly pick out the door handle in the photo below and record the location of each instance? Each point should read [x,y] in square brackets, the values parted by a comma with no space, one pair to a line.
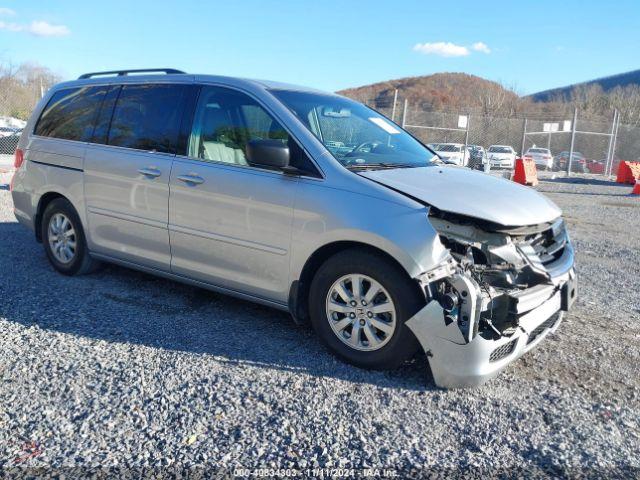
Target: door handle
[150,172]
[191,178]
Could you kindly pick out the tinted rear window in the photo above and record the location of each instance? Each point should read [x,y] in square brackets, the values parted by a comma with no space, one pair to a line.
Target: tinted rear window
[71,113]
[103,118]
[147,117]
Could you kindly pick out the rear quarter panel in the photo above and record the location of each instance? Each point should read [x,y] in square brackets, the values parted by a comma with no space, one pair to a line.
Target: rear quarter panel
[50,166]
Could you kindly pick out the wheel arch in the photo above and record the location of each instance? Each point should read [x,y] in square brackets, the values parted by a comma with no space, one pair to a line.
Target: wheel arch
[43,202]
[300,288]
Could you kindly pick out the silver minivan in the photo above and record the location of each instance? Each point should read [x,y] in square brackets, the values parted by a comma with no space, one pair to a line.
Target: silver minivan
[298,199]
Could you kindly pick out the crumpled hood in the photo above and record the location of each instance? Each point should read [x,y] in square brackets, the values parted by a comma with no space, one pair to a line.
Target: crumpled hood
[472,193]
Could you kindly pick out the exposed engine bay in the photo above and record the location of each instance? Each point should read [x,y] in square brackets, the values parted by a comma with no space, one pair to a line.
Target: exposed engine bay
[500,284]
[497,273]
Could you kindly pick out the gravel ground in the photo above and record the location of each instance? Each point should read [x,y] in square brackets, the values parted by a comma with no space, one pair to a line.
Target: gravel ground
[126,371]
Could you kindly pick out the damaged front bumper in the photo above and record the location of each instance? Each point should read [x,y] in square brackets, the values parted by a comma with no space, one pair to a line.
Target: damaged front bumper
[473,346]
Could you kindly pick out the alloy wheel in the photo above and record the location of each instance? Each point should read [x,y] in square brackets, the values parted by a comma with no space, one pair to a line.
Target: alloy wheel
[62,238]
[361,312]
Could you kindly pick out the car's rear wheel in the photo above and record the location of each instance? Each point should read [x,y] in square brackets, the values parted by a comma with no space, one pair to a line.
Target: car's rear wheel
[64,241]
[359,304]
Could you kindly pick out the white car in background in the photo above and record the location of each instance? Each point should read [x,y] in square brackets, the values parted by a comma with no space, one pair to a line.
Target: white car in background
[501,156]
[9,131]
[454,153]
[541,156]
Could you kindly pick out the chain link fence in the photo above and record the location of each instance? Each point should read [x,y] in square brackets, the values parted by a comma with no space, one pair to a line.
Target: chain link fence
[11,126]
[578,143]
[20,90]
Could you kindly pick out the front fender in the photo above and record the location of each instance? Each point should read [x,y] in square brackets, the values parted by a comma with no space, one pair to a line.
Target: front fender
[324,215]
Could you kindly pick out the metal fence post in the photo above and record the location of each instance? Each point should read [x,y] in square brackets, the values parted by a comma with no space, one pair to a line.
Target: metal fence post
[524,136]
[613,129]
[466,141]
[613,147]
[573,139]
[404,113]
[393,110]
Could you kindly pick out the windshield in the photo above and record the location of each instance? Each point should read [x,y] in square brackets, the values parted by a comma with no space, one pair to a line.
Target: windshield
[538,150]
[357,136]
[500,149]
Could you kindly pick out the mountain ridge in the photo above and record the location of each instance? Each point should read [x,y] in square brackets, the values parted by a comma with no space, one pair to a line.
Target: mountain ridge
[435,91]
[606,83]
[461,90]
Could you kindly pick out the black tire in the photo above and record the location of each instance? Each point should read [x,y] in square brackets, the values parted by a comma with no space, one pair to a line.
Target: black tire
[404,292]
[81,263]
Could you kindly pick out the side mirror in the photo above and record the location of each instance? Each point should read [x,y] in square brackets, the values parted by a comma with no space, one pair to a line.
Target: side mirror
[268,153]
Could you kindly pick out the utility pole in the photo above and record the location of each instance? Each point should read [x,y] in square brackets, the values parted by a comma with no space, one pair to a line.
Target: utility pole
[573,139]
[524,136]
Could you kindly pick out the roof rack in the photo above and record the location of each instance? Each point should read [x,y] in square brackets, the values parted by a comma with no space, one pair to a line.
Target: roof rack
[124,73]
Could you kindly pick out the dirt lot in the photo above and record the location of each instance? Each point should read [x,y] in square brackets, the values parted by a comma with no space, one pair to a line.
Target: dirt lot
[123,370]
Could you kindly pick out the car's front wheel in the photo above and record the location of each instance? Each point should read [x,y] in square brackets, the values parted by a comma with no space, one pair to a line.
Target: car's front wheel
[64,240]
[359,304]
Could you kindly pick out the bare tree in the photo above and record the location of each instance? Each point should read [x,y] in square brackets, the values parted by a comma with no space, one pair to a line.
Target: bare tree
[22,86]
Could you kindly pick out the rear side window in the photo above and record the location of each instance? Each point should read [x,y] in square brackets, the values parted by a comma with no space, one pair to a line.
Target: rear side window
[71,113]
[147,117]
[103,120]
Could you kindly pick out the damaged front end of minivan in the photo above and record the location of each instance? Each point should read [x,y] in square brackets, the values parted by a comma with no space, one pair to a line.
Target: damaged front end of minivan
[501,291]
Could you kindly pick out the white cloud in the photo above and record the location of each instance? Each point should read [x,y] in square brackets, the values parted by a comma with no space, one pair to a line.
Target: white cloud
[41,28]
[6,12]
[38,28]
[448,49]
[481,47]
[12,27]
[443,49]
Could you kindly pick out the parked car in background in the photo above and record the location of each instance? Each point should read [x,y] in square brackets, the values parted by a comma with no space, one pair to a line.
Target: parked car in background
[541,156]
[501,156]
[8,131]
[453,153]
[478,159]
[305,201]
[595,166]
[578,162]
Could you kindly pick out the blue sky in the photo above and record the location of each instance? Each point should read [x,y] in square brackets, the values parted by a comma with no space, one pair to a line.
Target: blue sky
[330,44]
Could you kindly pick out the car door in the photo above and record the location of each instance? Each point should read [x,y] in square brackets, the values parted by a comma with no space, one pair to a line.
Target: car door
[229,221]
[127,169]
